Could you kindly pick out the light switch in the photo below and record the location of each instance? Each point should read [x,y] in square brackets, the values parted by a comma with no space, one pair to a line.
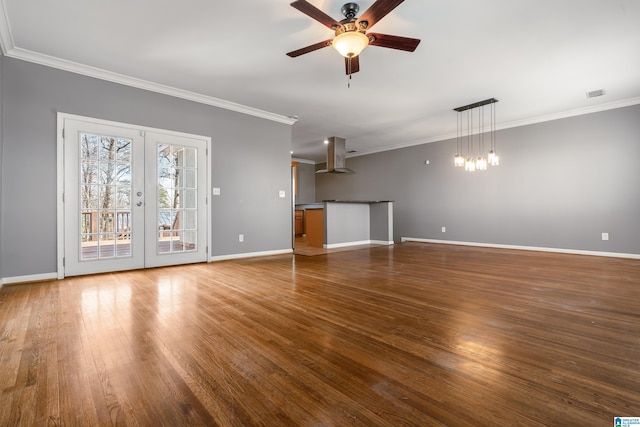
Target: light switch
[283,194]
[216,191]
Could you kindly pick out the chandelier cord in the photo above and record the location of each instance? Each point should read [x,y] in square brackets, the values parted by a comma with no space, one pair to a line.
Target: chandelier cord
[469,133]
[493,126]
[481,129]
[458,134]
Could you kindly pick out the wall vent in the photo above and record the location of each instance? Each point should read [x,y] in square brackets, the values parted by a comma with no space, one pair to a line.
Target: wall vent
[595,93]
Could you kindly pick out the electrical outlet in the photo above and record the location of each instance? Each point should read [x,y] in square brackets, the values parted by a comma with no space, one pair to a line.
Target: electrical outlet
[605,236]
[444,229]
[241,238]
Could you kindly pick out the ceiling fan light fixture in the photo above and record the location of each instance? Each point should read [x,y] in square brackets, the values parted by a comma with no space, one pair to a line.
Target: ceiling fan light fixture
[350,43]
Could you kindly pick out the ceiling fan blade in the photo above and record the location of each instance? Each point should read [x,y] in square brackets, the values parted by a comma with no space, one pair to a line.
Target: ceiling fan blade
[315,13]
[378,10]
[354,67]
[308,49]
[393,42]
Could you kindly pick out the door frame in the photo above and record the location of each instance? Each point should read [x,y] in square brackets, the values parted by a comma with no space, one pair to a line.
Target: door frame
[60,170]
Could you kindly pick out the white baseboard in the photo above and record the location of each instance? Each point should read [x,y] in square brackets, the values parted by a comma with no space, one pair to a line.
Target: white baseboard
[524,248]
[361,242]
[345,244]
[29,278]
[382,242]
[54,276]
[250,255]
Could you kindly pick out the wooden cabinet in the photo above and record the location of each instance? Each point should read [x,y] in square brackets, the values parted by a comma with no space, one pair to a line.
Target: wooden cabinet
[299,223]
[315,227]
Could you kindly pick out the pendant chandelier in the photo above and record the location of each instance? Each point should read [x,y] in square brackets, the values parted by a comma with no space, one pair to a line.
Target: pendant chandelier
[474,157]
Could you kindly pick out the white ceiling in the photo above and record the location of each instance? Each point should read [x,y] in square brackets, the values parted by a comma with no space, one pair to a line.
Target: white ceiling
[537,57]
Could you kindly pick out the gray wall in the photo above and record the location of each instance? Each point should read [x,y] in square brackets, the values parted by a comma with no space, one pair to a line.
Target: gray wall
[381,217]
[560,185]
[1,150]
[306,182]
[250,162]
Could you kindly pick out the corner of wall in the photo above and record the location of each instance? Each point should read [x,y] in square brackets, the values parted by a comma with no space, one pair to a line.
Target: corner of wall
[1,157]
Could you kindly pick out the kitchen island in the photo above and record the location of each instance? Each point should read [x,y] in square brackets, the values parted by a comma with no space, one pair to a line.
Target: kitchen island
[340,223]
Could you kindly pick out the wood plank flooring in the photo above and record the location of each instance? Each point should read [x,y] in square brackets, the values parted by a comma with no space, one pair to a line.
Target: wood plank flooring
[413,334]
[302,247]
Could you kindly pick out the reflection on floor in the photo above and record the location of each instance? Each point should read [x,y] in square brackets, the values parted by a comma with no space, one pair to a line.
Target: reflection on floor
[302,248]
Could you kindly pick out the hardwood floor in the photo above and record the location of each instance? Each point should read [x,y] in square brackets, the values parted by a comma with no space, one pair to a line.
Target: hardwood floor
[412,334]
[302,247]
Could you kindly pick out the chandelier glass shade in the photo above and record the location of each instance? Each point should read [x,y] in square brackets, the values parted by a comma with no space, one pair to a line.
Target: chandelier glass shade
[470,145]
[470,165]
[350,43]
[494,159]
[481,164]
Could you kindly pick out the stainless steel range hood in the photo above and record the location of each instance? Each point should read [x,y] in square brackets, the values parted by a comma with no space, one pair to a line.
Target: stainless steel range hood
[336,152]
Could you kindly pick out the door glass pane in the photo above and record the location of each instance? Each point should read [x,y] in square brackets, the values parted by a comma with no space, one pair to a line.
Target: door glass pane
[89,196]
[177,198]
[190,157]
[105,197]
[123,153]
[190,219]
[190,199]
[177,170]
[190,179]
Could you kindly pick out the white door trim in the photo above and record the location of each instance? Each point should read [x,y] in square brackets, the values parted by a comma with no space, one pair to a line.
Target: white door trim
[61,117]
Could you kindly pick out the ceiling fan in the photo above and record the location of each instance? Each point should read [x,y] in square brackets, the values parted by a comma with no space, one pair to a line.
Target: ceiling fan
[350,33]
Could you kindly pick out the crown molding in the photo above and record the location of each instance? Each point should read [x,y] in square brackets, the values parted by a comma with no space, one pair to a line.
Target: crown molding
[98,73]
[305,161]
[572,113]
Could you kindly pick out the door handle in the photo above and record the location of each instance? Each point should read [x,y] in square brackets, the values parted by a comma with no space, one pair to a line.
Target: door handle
[139,204]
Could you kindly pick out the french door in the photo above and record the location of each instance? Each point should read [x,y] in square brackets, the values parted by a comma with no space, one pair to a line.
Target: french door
[133,198]
[175,209]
